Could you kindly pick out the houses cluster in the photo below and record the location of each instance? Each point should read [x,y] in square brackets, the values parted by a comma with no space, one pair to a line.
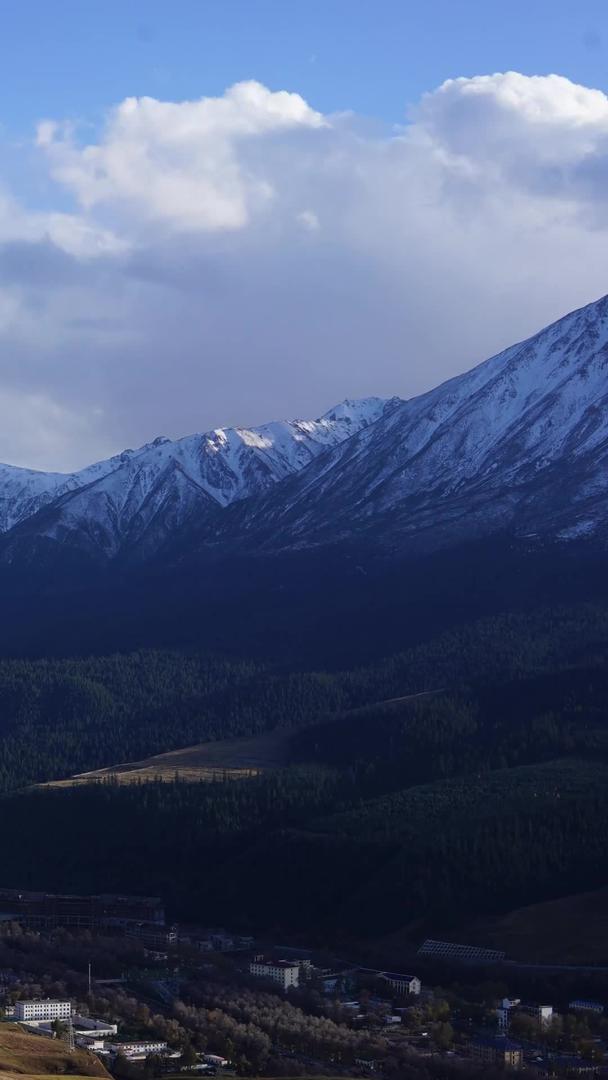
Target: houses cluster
[294,972]
[499,1048]
[41,1016]
[221,941]
[542,1014]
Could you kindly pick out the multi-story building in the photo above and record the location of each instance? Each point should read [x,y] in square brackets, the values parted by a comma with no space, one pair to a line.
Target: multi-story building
[503,1013]
[497,1050]
[402,984]
[543,1014]
[29,1011]
[284,972]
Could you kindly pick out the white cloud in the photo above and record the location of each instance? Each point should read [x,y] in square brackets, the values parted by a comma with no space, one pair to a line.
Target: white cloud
[236,258]
[308,220]
[36,431]
[179,163]
[535,133]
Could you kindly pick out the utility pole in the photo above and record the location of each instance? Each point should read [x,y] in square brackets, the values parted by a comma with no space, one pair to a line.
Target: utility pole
[71,1045]
[89,978]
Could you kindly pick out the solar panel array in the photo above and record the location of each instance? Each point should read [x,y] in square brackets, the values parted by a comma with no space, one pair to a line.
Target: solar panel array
[465,954]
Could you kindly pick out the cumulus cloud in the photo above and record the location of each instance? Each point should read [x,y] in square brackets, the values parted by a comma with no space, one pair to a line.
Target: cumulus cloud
[183,164]
[238,258]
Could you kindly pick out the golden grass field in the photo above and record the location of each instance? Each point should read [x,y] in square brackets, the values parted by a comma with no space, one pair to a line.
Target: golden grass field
[232,758]
[24,1054]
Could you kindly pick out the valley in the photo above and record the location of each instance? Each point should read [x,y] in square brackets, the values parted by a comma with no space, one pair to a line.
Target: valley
[360,661]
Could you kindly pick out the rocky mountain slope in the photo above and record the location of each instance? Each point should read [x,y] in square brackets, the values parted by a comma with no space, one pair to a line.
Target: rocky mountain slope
[140,497]
[518,444]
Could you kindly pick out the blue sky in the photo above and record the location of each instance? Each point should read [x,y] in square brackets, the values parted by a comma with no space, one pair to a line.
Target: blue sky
[76,57]
[225,212]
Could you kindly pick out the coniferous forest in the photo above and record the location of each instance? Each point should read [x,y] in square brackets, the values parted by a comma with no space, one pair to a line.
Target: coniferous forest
[486,792]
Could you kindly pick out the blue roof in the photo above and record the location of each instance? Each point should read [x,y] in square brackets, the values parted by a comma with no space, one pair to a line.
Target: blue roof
[498,1042]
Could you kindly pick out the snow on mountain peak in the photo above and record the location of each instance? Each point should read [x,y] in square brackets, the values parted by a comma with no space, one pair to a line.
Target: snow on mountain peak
[520,441]
[168,479]
[360,411]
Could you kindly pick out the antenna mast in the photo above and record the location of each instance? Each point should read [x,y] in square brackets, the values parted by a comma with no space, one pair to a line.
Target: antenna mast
[71,1045]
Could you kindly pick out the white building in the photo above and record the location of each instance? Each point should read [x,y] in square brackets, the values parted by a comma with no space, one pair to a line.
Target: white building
[88,1025]
[580,1005]
[284,972]
[91,1042]
[139,1048]
[543,1014]
[402,984]
[29,1011]
[503,1012]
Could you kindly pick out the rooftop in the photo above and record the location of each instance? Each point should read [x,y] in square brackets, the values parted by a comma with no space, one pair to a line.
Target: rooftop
[497,1042]
[277,963]
[397,976]
[43,1001]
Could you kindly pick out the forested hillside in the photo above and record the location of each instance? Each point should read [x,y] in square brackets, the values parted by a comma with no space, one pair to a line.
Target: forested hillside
[59,717]
[486,793]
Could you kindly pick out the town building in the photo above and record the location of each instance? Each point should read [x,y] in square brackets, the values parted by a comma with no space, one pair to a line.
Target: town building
[48,910]
[581,1005]
[88,1025]
[152,935]
[402,984]
[497,1050]
[503,1013]
[47,1009]
[91,1042]
[543,1014]
[137,1048]
[284,972]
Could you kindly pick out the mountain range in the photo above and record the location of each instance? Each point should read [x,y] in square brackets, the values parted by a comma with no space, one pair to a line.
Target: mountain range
[138,498]
[519,443]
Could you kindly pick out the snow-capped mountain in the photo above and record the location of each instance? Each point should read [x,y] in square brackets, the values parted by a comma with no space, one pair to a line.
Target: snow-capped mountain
[519,442]
[141,496]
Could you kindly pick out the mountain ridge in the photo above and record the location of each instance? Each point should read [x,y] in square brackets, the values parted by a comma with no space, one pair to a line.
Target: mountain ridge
[519,441]
[113,503]
[517,444]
